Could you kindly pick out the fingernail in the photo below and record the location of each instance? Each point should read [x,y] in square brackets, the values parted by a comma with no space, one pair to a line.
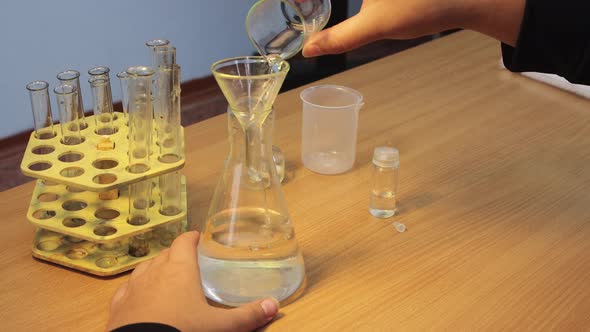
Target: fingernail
[270,306]
[311,50]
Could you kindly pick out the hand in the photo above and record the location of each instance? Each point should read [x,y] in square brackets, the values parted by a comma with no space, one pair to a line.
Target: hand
[405,19]
[167,289]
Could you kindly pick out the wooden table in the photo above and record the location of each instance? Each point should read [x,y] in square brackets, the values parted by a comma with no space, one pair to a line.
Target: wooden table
[494,190]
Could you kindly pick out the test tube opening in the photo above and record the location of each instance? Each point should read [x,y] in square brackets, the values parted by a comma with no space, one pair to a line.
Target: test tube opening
[103,105]
[123,77]
[41,109]
[72,77]
[67,102]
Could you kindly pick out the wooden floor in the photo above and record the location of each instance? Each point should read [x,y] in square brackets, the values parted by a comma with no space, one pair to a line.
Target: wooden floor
[202,99]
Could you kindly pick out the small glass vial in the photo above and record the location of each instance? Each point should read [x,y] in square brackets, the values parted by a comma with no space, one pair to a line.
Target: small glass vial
[382,202]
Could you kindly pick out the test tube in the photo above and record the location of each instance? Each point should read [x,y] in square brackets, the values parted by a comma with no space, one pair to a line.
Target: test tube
[170,205]
[41,107]
[100,71]
[163,56]
[152,44]
[140,138]
[139,245]
[123,79]
[67,103]
[163,60]
[167,114]
[72,77]
[103,72]
[140,117]
[170,200]
[168,128]
[103,105]
[140,196]
[169,232]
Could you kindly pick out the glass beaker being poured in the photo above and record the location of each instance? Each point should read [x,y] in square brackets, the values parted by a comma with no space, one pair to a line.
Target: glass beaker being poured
[248,249]
[279,28]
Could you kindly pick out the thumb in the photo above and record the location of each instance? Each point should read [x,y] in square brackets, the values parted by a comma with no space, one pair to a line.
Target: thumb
[253,315]
[345,36]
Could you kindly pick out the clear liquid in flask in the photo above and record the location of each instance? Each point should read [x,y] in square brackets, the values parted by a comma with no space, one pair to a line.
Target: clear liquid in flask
[251,257]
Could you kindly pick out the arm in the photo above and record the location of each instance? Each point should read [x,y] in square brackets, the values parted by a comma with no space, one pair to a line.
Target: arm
[404,19]
[549,36]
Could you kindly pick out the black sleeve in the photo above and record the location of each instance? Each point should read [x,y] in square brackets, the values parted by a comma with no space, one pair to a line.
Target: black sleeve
[146,327]
[554,38]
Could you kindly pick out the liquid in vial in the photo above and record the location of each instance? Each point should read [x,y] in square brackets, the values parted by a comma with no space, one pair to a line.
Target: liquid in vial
[382,203]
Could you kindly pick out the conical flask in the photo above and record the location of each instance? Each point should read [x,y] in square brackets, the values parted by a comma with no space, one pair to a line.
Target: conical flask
[248,249]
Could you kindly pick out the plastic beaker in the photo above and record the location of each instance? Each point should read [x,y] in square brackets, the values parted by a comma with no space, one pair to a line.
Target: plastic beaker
[329,130]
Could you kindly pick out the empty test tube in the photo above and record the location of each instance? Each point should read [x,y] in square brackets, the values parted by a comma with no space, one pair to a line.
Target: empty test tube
[170,205]
[123,79]
[140,117]
[103,105]
[152,44]
[140,196]
[67,102]
[163,56]
[41,107]
[140,138]
[170,200]
[103,72]
[168,128]
[72,77]
[167,114]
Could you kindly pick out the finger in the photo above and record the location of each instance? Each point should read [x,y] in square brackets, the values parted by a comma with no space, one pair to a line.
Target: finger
[162,257]
[140,269]
[184,248]
[251,316]
[345,36]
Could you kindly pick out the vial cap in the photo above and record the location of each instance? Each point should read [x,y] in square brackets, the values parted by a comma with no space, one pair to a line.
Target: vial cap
[386,156]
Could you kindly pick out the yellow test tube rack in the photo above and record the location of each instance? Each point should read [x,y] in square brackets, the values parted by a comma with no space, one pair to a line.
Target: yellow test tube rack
[80,204]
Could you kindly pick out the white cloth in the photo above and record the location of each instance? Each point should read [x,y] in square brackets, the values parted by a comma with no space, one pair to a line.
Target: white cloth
[557,81]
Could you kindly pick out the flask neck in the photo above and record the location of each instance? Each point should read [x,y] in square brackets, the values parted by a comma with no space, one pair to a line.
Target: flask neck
[251,144]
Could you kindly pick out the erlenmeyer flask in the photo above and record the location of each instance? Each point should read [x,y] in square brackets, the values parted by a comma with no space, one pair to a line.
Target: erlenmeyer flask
[248,249]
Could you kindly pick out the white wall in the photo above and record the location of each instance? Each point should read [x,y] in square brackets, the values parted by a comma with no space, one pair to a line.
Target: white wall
[40,38]
[353,7]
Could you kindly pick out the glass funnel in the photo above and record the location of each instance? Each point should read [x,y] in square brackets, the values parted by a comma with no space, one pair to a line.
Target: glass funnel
[248,249]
